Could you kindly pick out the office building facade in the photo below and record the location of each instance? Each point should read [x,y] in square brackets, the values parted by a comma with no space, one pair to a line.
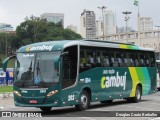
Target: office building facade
[88,24]
[109,22]
[54,17]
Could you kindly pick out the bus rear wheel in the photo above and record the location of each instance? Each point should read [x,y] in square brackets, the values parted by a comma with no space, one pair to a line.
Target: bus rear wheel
[138,95]
[84,101]
[45,109]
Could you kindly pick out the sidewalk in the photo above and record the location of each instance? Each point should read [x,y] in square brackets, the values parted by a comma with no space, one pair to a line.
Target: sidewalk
[7,102]
[6,95]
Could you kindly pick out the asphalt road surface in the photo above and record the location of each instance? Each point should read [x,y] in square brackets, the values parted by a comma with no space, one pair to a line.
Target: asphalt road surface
[147,109]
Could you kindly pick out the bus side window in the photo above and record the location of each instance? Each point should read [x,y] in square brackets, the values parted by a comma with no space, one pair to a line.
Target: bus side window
[152,59]
[112,61]
[147,60]
[98,59]
[119,62]
[106,61]
[142,61]
[82,60]
[115,63]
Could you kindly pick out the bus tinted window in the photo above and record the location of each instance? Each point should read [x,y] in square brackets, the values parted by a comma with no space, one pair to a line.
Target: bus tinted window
[91,57]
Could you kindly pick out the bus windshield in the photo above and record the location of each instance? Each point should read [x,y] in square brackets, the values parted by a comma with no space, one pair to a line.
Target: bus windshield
[36,70]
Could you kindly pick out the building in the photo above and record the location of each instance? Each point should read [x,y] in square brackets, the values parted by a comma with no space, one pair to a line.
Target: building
[5,27]
[123,29]
[88,24]
[73,28]
[54,17]
[109,22]
[99,27]
[146,24]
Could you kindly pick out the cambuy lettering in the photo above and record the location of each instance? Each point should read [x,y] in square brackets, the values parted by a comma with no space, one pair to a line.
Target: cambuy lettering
[114,81]
[43,47]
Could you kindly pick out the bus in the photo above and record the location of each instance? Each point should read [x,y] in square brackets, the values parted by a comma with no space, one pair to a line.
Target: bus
[80,72]
[158,74]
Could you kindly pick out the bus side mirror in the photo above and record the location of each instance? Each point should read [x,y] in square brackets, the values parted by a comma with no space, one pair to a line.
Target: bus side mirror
[5,62]
[56,62]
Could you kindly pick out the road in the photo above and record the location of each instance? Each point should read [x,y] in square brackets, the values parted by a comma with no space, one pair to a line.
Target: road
[149,106]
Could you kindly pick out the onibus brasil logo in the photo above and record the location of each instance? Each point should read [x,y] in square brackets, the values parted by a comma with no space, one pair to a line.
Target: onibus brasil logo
[114,81]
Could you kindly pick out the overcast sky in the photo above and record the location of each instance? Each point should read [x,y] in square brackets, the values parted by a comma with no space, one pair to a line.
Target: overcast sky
[14,11]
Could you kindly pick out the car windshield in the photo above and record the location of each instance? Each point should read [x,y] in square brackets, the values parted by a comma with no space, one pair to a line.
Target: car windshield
[34,70]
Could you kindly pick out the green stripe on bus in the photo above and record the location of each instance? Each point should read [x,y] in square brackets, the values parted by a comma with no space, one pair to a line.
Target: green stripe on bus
[147,82]
[129,47]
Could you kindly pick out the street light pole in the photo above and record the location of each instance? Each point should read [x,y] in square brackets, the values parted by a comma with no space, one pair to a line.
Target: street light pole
[102,8]
[158,26]
[126,19]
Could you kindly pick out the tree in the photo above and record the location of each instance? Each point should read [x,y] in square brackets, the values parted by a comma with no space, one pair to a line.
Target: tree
[35,29]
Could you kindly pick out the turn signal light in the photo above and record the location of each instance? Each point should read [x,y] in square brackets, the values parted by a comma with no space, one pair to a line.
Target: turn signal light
[17,93]
[52,93]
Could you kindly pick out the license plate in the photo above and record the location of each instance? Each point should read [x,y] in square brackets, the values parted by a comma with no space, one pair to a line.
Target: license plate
[33,101]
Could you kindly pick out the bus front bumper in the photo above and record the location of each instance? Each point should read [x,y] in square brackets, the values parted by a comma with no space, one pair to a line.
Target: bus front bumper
[38,105]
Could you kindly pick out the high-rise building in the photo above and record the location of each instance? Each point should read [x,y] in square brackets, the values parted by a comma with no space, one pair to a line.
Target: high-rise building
[99,27]
[146,23]
[73,28]
[109,22]
[6,27]
[88,24]
[54,17]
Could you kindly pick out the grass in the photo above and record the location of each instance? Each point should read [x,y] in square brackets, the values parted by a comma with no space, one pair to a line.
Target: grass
[4,89]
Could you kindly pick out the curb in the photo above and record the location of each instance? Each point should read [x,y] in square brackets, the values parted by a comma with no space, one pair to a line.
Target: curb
[6,95]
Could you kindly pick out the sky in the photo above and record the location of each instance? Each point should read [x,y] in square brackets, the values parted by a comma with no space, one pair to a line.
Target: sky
[14,11]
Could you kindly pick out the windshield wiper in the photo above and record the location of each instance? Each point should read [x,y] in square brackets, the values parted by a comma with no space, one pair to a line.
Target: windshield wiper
[38,74]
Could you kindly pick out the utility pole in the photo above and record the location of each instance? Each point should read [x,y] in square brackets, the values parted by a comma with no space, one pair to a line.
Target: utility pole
[102,8]
[126,19]
[6,45]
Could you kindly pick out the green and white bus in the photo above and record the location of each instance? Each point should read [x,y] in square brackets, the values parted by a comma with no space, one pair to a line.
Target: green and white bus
[65,73]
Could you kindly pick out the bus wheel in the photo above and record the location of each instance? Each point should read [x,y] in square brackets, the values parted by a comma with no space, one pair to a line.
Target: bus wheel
[137,97]
[106,101]
[84,101]
[45,109]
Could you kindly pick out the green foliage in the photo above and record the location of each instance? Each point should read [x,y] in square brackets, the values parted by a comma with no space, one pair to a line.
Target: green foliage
[35,29]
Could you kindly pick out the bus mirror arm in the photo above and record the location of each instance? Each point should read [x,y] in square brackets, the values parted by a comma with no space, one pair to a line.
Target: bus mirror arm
[65,53]
[5,62]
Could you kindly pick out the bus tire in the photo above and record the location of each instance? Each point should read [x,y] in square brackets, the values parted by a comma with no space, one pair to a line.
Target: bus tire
[84,101]
[45,109]
[137,97]
[106,101]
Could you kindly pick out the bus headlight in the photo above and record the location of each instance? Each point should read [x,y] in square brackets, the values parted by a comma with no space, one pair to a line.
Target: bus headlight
[52,93]
[17,93]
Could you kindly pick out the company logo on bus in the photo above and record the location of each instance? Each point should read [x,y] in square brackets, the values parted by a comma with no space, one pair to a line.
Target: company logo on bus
[42,47]
[114,81]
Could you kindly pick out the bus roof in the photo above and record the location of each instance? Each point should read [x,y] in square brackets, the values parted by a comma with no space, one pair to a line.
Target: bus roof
[60,45]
